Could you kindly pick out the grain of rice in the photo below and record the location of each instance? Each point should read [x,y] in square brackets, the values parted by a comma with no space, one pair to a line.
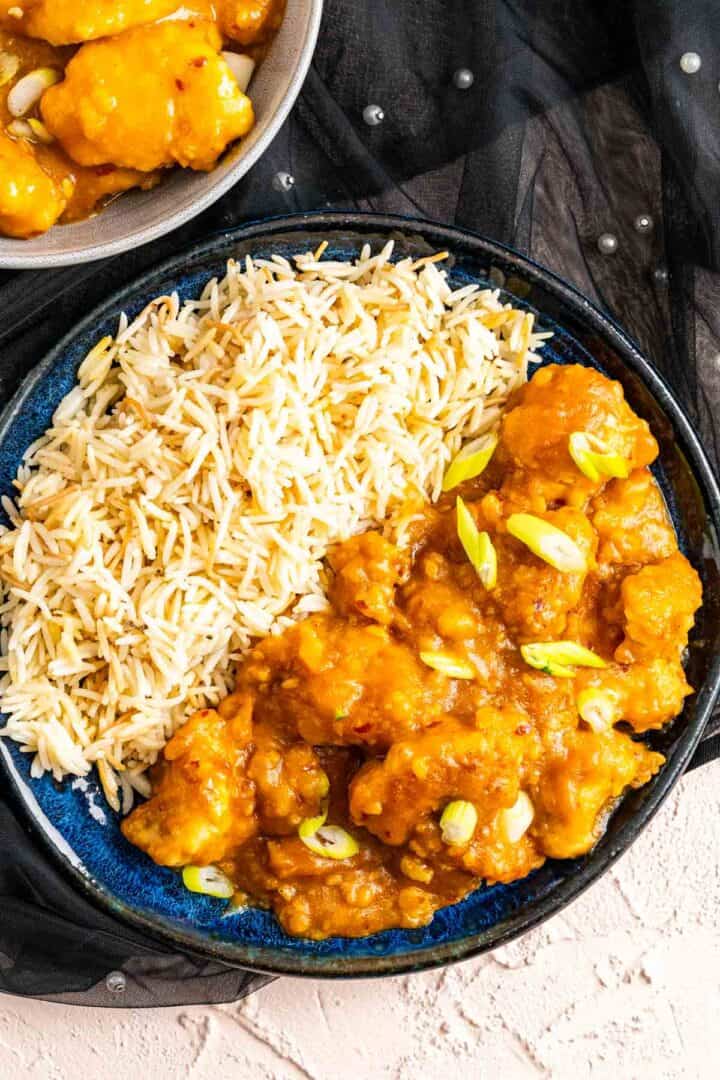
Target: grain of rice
[182,502]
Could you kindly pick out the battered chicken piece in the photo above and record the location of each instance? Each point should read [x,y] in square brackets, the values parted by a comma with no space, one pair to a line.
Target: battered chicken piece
[581,778]
[152,97]
[646,695]
[340,683]
[289,780]
[490,856]
[30,200]
[659,604]
[439,607]
[367,570]
[63,22]
[356,897]
[250,22]
[632,522]
[485,765]
[202,803]
[559,400]
[534,597]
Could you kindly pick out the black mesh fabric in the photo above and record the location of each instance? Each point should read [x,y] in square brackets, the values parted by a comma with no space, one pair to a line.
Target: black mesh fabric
[579,121]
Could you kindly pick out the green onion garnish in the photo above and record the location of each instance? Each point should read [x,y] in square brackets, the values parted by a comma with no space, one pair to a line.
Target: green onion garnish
[470,462]
[477,546]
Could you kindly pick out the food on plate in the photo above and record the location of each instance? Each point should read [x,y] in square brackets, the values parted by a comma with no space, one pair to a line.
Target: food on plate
[97,98]
[309,563]
[155,96]
[438,728]
[66,22]
[184,500]
[30,200]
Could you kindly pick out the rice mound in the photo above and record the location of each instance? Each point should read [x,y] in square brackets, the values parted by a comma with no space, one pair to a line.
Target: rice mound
[182,503]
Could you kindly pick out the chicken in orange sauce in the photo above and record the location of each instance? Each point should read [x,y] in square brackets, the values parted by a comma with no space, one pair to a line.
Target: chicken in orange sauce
[30,200]
[467,708]
[65,22]
[99,97]
[153,97]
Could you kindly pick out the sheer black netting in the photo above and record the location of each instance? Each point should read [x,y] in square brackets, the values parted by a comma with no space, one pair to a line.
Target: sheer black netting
[577,123]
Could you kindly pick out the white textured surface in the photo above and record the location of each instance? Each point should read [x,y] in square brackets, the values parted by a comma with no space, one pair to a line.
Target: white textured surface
[624,984]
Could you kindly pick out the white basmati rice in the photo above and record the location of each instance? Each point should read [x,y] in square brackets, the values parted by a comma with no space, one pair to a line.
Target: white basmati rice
[183,501]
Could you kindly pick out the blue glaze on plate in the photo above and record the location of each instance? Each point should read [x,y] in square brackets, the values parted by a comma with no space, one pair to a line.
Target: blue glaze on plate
[82,833]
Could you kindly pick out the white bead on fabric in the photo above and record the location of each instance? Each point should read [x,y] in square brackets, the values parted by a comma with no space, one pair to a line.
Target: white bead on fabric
[463,78]
[283,181]
[116,982]
[373,115]
[690,63]
[643,223]
[607,243]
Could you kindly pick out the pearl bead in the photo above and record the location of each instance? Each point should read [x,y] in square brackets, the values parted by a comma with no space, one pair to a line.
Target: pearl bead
[463,78]
[283,181]
[660,275]
[373,115]
[607,243]
[116,982]
[643,223]
[690,63]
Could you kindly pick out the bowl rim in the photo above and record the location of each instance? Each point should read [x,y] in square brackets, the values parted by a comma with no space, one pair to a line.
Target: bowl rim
[245,160]
[598,861]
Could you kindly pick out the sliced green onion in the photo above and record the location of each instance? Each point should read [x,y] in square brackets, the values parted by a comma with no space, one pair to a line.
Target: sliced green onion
[517,819]
[547,542]
[20,129]
[470,462]
[560,658]
[594,458]
[27,91]
[458,822]
[452,666]
[598,708]
[330,841]
[40,132]
[242,67]
[208,880]
[477,546]
[310,825]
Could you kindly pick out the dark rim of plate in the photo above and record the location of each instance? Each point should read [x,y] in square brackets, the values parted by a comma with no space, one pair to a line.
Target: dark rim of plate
[438,237]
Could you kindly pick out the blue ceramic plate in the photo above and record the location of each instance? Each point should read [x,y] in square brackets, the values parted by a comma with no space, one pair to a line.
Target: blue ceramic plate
[72,820]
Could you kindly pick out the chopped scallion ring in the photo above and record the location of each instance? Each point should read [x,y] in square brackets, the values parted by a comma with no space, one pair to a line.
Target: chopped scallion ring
[470,462]
[330,841]
[458,821]
[594,458]
[598,708]
[452,666]
[517,819]
[549,543]
[27,91]
[242,67]
[560,658]
[477,546]
[208,880]
[40,132]
[311,825]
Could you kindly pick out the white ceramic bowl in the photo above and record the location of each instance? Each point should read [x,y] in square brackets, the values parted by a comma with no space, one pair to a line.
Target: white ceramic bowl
[140,216]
